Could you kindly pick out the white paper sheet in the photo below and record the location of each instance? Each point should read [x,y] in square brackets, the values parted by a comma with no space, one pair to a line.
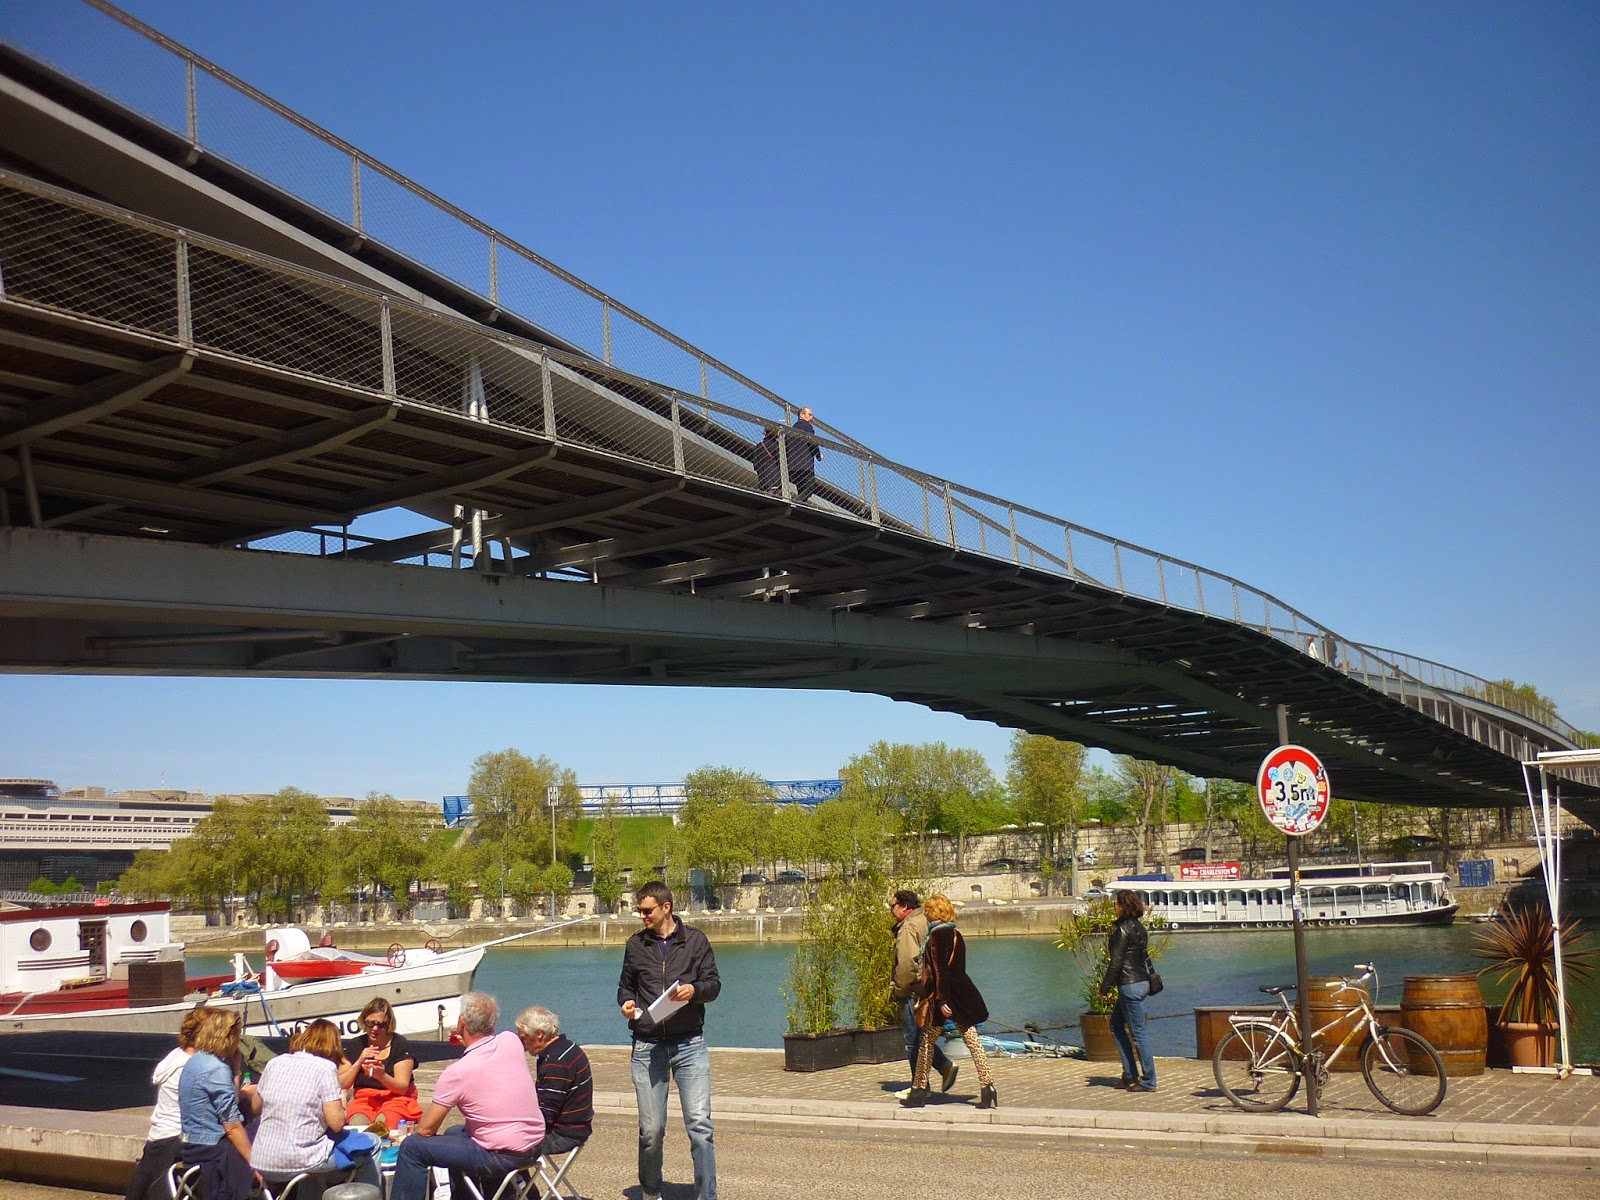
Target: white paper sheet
[663,1006]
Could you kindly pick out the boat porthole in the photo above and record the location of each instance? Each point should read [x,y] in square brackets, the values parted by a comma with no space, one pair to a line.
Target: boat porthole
[138,931]
[1351,921]
[1173,925]
[40,940]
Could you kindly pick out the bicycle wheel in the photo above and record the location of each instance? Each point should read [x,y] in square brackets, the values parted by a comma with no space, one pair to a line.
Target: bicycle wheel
[1257,1068]
[1403,1070]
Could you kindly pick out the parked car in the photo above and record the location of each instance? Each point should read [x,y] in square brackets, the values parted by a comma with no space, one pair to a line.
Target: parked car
[791,877]
[1192,854]
[999,864]
[751,880]
[1088,857]
[1096,894]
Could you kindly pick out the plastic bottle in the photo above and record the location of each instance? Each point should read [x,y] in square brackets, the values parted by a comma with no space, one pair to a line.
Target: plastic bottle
[401,1132]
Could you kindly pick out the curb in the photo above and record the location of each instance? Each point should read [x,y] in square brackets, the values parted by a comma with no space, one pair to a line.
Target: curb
[1291,1135]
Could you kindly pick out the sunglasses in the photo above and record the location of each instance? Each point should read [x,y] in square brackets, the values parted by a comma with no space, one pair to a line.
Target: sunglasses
[645,912]
[376,1024]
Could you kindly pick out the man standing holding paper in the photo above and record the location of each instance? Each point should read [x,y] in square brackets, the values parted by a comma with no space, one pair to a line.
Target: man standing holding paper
[669,975]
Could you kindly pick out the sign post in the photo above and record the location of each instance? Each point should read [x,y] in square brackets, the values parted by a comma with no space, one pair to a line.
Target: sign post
[1292,786]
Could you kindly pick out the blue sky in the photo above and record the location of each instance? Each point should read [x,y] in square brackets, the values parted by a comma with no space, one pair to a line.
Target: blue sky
[1305,294]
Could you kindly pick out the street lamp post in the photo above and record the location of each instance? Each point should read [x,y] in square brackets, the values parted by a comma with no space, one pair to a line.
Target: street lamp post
[553,798]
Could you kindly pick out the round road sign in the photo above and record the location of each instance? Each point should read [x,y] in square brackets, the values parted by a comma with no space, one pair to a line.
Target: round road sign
[1292,786]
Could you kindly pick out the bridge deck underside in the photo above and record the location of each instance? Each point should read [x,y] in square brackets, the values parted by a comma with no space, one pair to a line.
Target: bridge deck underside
[137,436]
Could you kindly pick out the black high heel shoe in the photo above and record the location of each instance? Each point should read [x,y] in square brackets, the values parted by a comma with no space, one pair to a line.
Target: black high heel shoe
[917,1099]
[988,1097]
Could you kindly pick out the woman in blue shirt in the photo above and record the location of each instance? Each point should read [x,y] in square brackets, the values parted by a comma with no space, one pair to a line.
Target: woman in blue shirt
[208,1110]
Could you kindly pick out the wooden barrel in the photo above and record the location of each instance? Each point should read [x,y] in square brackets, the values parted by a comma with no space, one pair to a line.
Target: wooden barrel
[1448,1010]
[1326,1003]
[1098,1044]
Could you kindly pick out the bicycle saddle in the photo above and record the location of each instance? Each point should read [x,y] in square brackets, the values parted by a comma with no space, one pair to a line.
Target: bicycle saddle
[1279,989]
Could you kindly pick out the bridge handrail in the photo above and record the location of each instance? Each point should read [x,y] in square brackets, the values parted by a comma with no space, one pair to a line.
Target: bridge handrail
[882,492]
[363,221]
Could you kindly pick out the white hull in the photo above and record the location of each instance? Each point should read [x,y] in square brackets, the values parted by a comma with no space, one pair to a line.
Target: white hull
[426,1000]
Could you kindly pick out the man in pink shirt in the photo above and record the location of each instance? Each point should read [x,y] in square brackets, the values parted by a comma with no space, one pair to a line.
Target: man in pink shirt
[491,1085]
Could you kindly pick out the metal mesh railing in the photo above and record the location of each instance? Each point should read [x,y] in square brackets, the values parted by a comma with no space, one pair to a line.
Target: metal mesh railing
[66,252]
[136,66]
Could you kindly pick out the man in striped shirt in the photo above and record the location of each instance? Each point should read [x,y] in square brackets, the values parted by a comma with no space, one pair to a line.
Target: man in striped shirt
[566,1087]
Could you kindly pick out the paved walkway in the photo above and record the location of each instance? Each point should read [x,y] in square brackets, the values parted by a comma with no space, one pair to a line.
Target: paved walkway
[1498,1118]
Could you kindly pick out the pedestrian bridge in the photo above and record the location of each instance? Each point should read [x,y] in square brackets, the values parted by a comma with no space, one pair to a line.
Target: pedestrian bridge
[217,358]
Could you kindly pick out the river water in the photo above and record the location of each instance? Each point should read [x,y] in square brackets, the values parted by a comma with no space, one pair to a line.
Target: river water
[1023,979]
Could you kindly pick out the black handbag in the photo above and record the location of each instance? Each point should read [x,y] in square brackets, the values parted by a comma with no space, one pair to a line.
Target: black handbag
[1156,983]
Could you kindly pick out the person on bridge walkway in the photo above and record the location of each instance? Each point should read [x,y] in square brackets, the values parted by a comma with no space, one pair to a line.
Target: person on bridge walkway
[670,962]
[802,455]
[911,931]
[1128,975]
[769,471]
[948,994]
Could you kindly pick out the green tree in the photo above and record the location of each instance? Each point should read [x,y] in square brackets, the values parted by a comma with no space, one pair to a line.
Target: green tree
[42,887]
[1148,787]
[385,848]
[510,795]
[790,834]
[605,851]
[1046,780]
[69,885]
[721,827]
[930,786]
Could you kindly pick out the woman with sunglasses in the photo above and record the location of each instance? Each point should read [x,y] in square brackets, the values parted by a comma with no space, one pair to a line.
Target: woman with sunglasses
[378,1066]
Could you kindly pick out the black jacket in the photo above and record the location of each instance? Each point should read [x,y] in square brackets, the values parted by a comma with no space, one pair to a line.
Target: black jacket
[1130,954]
[647,972]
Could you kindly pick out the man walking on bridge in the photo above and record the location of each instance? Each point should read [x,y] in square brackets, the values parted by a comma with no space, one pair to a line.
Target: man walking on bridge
[669,975]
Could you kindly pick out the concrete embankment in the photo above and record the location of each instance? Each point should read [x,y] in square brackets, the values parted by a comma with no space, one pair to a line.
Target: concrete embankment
[778,925]
[996,918]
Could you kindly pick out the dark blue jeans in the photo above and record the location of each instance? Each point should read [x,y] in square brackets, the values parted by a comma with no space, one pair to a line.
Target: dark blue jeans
[908,1020]
[454,1150]
[1132,1034]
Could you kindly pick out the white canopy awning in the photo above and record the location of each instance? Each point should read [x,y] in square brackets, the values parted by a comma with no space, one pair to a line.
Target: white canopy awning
[1544,802]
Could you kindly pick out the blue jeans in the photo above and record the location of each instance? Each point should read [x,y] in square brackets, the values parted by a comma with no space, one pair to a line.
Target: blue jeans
[454,1150]
[908,1020]
[689,1064]
[1132,1034]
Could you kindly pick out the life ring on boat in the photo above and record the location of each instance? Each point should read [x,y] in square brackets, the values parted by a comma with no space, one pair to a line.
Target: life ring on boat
[272,949]
[397,955]
[1351,921]
[1173,925]
[434,944]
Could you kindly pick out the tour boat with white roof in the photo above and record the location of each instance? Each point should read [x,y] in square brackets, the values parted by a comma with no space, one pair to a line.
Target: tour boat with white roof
[1210,896]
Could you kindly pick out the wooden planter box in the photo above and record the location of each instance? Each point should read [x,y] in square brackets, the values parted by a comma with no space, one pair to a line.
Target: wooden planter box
[820,1051]
[885,1044]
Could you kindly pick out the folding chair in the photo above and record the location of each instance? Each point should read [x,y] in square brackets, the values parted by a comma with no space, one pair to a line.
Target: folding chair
[183,1183]
[518,1185]
[553,1172]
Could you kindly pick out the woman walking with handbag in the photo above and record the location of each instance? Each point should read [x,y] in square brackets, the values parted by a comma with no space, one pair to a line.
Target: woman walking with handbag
[948,993]
[1128,974]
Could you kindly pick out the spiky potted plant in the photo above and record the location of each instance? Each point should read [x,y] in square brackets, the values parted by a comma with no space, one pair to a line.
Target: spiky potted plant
[1085,936]
[1520,947]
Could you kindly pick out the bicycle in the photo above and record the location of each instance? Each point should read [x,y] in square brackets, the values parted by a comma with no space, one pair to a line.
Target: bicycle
[1260,1063]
